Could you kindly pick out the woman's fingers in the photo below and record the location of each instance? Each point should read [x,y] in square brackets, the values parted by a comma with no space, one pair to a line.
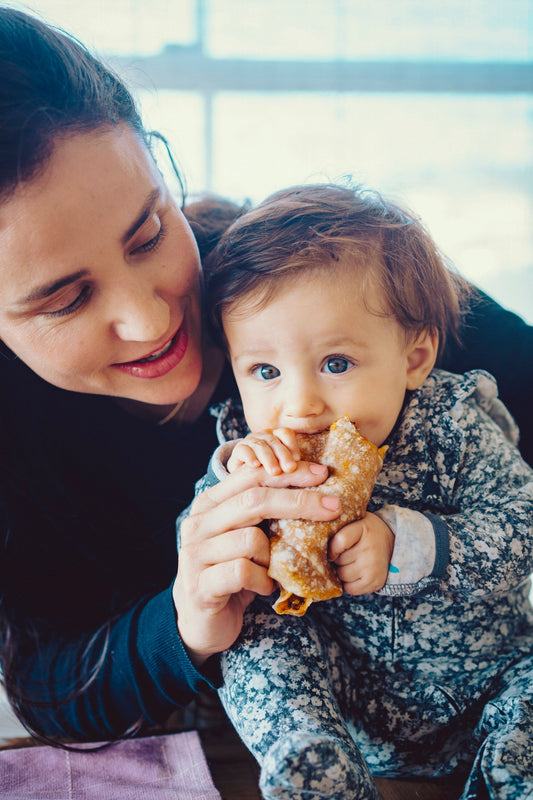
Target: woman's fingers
[219,581]
[224,555]
[245,543]
[248,505]
[305,475]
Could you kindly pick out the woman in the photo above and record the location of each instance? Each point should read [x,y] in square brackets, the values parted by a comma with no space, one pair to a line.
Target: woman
[104,413]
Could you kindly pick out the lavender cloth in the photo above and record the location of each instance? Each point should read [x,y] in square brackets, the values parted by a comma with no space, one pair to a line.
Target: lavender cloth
[170,767]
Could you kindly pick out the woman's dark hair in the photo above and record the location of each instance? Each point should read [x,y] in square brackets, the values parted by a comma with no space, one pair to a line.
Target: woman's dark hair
[328,226]
[209,216]
[50,86]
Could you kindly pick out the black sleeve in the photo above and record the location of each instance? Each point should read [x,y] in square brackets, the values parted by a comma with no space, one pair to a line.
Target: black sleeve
[134,671]
[499,341]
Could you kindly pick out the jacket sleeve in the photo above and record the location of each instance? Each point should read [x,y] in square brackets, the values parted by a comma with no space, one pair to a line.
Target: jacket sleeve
[135,670]
[479,539]
[490,524]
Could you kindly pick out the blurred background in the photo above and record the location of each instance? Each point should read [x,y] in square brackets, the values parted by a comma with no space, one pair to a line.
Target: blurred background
[430,101]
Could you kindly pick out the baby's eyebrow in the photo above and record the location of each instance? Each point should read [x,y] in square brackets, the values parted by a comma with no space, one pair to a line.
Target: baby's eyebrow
[253,354]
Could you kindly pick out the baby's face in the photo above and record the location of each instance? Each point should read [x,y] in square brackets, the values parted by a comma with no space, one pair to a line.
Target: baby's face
[315,352]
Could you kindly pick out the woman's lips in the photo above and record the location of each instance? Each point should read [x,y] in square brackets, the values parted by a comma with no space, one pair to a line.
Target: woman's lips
[161,361]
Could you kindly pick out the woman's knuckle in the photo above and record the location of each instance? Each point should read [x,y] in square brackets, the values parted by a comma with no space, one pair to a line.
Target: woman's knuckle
[189,528]
[185,527]
[253,498]
[301,499]
[241,569]
[254,541]
[248,539]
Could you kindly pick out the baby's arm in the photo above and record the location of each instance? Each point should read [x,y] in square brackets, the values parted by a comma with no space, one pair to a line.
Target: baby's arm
[277,451]
[475,535]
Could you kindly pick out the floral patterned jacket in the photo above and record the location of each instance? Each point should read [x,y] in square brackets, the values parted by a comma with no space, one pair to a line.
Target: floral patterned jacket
[459,498]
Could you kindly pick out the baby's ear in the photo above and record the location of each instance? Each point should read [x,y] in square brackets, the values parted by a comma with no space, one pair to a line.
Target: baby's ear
[421,357]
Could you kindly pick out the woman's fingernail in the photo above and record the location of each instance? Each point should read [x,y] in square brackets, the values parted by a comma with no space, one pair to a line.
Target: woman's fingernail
[331,503]
[317,469]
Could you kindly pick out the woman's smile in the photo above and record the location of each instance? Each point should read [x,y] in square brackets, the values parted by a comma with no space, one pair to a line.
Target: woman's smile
[160,361]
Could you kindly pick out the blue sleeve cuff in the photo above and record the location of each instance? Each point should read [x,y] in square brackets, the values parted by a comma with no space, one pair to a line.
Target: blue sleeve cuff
[164,655]
[442,546]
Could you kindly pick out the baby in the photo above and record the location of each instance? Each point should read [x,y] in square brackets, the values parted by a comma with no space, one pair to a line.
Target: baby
[332,301]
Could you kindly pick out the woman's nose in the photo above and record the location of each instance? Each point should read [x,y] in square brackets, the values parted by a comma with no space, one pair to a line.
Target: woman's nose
[141,315]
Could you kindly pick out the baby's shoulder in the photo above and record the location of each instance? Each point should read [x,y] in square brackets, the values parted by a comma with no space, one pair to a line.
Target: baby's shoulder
[466,399]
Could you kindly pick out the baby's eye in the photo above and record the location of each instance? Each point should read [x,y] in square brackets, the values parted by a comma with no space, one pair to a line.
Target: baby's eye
[266,372]
[336,365]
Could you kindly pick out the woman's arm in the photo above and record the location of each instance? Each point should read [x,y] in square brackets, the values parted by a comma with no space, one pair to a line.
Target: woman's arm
[132,671]
[145,663]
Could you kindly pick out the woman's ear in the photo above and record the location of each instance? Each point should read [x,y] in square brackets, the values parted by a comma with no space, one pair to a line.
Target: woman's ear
[421,357]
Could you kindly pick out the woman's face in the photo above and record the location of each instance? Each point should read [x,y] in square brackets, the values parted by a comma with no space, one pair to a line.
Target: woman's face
[100,274]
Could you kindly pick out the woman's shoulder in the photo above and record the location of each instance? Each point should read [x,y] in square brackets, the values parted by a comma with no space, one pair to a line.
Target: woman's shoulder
[501,342]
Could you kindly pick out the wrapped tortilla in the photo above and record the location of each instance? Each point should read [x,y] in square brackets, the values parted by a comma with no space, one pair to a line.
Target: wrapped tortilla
[299,548]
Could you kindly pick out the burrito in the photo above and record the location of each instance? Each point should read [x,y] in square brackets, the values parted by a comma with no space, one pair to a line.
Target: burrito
[299,548]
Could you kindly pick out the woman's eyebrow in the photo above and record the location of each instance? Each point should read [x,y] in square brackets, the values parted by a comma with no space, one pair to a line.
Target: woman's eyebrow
[48,289]
[143,216]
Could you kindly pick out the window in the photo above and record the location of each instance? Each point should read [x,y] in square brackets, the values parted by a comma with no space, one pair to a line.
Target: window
[430,103]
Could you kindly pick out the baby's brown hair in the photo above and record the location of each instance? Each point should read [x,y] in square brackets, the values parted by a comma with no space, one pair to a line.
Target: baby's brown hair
[308,227]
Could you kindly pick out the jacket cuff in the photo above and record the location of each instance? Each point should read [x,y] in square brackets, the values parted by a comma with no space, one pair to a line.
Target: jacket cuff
[164,655]
[219,459]
[415,550]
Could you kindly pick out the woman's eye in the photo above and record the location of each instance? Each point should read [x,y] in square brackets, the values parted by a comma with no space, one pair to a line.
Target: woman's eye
[337,364]
[266,372]
[152,243]
[80,300]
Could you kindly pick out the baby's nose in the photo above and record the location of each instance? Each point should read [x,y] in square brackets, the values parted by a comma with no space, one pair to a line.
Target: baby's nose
[303,401]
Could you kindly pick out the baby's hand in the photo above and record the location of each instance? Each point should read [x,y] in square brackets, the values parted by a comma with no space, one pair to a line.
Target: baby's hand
[277,451]
[362,552]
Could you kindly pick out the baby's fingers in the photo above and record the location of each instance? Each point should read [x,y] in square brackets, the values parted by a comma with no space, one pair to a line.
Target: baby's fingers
[289,438]
[343,541]
[286,450]
[242,455]
[270,452]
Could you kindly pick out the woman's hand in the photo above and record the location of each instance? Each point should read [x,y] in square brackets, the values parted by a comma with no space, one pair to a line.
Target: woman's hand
[362,552]
[224,556]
